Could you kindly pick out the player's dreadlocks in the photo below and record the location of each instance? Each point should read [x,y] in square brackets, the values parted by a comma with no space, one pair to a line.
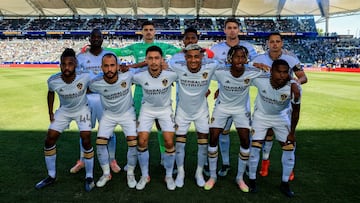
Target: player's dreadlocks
[234,49]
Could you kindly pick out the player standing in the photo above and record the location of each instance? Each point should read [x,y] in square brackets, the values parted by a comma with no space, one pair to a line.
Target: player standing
[194,80]
[275,95]
[275,44]
[231,30]
[115,94]
[156,86]
[90,61]
[71,89]
[138,50]
[233,101]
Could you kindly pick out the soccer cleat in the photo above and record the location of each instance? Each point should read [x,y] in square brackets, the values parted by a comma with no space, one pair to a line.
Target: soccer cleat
[142,182]
[131,182]
[200,181]
[179,181]
[206,170]
[210,184]
[170,184]
[285,189]
[114,166]
[224,170]
[264,171]
[45,182]
[89,184]
[78,166]
[292,176]
[242,185]
[103,180]
[252,186]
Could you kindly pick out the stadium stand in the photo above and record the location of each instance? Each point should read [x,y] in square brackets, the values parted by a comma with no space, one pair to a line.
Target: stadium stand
[41,40]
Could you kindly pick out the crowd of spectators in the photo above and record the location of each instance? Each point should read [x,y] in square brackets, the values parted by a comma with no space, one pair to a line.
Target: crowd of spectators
[319,50]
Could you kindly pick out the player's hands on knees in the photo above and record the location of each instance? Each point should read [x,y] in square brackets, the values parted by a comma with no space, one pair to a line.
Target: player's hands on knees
[207,93]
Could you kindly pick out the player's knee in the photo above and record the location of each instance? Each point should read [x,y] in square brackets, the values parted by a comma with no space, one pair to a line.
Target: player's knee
[170,150]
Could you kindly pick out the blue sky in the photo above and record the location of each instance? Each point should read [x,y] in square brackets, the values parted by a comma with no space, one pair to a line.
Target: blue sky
[343,25]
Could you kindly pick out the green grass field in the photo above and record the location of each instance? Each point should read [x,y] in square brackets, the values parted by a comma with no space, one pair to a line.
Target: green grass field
[326,157]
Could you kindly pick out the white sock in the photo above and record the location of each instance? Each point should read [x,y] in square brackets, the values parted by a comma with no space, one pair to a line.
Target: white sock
[89,163]
[180,153]
[131,157]
[169,160]
[143,157]
[266,149]
[112,147]
[242,162]
[50,162]
[202,155]
[288,162]
[253,161]
[213,160]
[103,154]
[224,144]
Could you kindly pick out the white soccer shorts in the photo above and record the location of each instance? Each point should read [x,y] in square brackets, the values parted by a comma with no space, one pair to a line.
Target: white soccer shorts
[148,115]
[63,118]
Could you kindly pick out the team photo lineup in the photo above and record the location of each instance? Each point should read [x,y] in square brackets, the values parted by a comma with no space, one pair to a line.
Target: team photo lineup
[94,86]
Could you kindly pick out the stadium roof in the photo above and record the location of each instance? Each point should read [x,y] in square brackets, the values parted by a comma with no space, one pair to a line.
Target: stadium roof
[323,8]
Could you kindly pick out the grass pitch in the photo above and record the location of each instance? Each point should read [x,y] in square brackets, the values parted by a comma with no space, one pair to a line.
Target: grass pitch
[326,156]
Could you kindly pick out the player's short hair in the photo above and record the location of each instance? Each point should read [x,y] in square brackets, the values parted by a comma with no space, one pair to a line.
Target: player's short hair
[108,55]
[148,22]
[68,52]
[154,48]
[278,62]
[190,30]
[232,51]
[231,20]
[96,31]
[275,34]
[193,47]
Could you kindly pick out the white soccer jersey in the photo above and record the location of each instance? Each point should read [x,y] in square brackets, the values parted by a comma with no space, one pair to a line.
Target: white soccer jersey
[115,98]
[72,96]
[271,103]
[234,92]
[265,58]
[221,50]
[193,86]
[156,91]
[90,63]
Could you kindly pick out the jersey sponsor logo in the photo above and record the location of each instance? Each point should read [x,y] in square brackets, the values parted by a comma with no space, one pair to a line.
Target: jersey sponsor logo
[283,97]
[123,84]
[205,75]
[79,86]
[165,82]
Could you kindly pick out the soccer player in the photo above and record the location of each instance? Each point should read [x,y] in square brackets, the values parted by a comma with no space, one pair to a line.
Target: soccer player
[194,79]
[71,89]
[275,44]
[233,101]
[90,61]
[137,50]
[231,30]
[156,86]
[275,95]
[116,98]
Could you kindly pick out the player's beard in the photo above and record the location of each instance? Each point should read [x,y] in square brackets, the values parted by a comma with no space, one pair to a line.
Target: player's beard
[68,73]
[110,75]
